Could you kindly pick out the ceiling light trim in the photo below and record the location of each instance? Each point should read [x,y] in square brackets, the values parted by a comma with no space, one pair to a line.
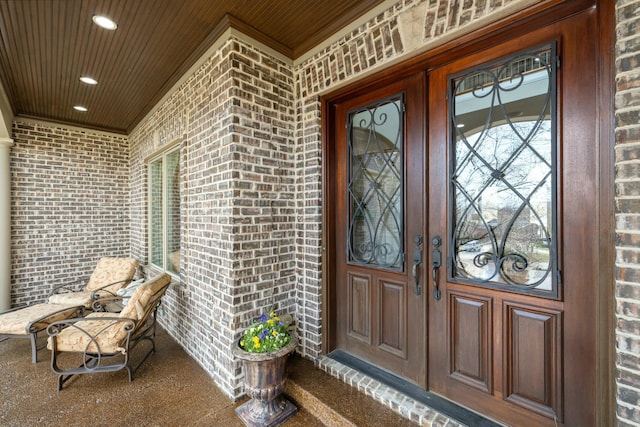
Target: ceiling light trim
[104,22]
[88,80]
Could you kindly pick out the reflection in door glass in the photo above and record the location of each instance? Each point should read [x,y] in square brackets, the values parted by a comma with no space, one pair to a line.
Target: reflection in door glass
[504,172]
[375,184]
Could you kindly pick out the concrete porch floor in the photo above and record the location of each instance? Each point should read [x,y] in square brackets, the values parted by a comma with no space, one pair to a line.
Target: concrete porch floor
[169,389]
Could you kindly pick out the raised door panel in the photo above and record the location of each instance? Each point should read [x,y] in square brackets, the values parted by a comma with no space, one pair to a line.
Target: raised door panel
[533,358]
[359,307]
[393,318]
[470,340]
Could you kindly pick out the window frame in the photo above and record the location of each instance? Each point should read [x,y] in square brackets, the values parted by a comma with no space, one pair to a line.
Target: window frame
[162,156]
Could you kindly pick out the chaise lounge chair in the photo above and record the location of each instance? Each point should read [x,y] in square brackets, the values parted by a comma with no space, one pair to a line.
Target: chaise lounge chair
[103,341]
[27,322]
[109,275]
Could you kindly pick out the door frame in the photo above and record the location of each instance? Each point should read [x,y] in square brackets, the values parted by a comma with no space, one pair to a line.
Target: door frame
[536,16]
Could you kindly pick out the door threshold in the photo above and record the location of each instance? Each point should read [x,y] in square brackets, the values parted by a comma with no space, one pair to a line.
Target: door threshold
[432,400]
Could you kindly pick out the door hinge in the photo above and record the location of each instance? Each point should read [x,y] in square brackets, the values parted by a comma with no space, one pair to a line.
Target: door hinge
[557,61]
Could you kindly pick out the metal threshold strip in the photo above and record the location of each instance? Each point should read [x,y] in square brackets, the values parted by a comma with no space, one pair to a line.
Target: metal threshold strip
[427,398]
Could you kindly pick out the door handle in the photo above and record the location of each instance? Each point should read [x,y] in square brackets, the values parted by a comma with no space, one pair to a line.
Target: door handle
[417,260]
[436,262]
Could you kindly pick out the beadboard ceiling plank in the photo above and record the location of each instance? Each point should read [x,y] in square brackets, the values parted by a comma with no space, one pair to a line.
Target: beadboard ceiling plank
[46,46]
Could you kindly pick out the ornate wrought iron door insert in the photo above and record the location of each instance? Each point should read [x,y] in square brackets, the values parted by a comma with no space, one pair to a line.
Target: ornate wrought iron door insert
[503,173]
[375,185]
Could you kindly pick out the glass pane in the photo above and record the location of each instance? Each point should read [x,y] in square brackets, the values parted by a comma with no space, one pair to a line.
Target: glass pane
[503,174]
[156,212]
[375,186]
[173,211]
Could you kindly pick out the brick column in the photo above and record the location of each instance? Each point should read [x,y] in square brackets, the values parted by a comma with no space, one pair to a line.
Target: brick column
[5,224]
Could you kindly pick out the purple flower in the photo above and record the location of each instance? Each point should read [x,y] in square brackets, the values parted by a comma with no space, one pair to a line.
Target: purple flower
[263,317]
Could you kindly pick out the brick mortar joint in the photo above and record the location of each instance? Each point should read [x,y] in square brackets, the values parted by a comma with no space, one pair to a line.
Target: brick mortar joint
[626,145]
[627,369]
[631,109]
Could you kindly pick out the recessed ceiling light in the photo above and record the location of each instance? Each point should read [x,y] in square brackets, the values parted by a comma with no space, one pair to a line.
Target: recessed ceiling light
[88,80]
[104,22]
[80,108]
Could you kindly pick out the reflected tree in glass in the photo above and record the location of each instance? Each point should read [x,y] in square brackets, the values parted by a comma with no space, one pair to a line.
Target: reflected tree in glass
[503,173]
[375,184]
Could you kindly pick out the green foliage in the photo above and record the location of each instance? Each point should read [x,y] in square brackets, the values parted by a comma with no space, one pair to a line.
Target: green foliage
[265,335]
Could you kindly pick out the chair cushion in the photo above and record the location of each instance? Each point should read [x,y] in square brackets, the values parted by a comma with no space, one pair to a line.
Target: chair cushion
[137,305]
[96,335]
[111,270]
[93,335]
[72,298]
[16,322]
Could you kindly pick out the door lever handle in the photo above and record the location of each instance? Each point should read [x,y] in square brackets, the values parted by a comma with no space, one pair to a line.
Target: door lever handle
[417,260]
[436,289]
[436,262]
[416,279]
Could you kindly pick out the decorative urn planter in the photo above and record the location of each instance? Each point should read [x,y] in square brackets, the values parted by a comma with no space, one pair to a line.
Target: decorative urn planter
[264,380]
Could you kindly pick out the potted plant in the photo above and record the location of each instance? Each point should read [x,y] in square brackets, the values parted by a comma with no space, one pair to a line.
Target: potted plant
[264,348]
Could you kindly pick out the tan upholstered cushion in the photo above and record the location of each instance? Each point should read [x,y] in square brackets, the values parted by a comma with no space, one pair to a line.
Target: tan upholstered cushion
[93,335]
[137,304]
[72,298]
[16,322]
[111,270]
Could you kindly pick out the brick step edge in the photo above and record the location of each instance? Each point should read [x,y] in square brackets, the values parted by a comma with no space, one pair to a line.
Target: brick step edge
[314,406]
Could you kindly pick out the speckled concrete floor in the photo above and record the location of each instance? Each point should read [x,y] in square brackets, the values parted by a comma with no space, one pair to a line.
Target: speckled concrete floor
[170,389]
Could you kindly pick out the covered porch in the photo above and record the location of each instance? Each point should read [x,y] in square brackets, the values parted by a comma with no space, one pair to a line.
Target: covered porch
[170,389]
[248,127]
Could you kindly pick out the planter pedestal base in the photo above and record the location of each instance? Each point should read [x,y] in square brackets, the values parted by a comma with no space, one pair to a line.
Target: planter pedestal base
[264,380]
[266,413]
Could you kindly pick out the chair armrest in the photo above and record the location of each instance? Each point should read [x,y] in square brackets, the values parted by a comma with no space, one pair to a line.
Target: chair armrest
[32,328]
[100,292]
[108,303]
[68,287]
[54,329]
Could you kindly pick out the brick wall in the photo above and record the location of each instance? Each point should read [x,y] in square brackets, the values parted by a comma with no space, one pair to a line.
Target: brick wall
[627,122]
[69,205]
[232,118]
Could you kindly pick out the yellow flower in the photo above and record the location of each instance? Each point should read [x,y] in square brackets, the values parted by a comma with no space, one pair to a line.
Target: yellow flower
[274,333]
[272,314]
[257,345]
[270,322]
[256,340]
[241,343]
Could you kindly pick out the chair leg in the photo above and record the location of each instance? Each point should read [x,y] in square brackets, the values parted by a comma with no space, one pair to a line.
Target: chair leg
[34,347]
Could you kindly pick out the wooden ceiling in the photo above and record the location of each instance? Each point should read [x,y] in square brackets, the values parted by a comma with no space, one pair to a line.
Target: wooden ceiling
[46,45]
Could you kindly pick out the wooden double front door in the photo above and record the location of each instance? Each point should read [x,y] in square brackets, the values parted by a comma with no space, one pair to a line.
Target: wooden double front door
[463,206]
